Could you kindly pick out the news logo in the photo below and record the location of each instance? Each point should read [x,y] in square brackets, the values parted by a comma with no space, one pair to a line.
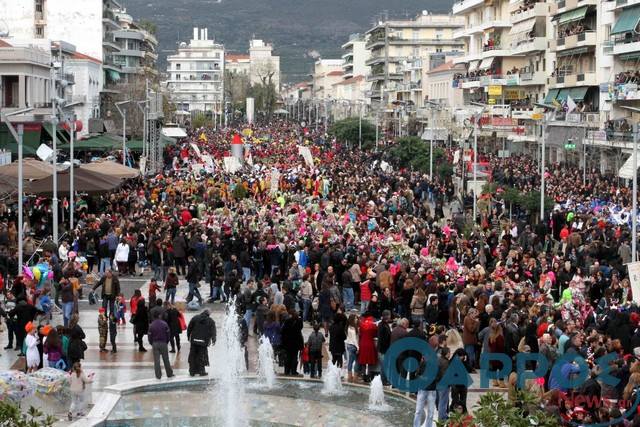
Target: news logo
[411,364]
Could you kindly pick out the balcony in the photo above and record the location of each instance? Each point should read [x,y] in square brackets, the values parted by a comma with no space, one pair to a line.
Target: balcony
[625,92]
[560,118]
[25,55]
[129,35]
[533,79]
[131,52]
[626,3]
[538,9]
[626,44]
[530,45]
[460,33]
[374,60]
[482,27]
[523,113]
[610,139]
[584,39]
[562,80]
[465,5]
[67,77]
[566,5]
[494,51]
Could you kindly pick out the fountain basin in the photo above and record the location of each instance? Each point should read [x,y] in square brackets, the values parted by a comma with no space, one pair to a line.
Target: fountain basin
[186,401]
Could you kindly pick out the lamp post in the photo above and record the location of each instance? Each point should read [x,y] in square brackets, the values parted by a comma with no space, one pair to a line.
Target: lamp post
[18,135]
[432,107]
[72,131]
[476,129]
[123,114]
[360,126]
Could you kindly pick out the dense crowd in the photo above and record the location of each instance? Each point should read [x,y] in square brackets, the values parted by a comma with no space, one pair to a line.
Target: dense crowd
[366,256]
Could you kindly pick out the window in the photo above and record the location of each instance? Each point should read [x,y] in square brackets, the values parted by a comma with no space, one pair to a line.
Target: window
[416,34]
[178,67]
[177,76]
[438,49]
[416,52]
[438,34]
[39,32]
[607,31]
[39,6]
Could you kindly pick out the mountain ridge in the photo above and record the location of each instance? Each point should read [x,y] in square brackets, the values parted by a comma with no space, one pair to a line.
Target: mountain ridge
[295,27]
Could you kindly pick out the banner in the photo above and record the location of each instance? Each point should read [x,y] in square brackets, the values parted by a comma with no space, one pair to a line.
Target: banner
[196,150]
[634,278]
[250,110]
[495,90]
[232,165]
[209,166]
[306,155]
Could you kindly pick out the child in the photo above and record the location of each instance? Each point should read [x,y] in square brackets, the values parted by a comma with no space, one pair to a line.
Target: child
[315,342]
[78,381]
[113,331]
[153,288]
[121,309]
[31,342]
[103,329]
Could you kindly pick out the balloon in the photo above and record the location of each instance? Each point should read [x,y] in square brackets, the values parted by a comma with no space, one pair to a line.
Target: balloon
[50,275]
[36,273]
[27,272]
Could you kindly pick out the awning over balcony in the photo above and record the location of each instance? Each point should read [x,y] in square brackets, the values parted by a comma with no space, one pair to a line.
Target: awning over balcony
[553,93]
[473,65]
[486,64]
[572,52]
[634,56]
[578,93]
[521,30]
[628,21]
[562,95]
[573,15]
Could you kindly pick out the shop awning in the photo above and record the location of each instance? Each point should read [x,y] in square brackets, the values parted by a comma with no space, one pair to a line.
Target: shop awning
[521,30]
[114,75]
[578,93]
[96,143]
[61,137]
[473,65]
[486,64]
[553,93]
[572,52]
[174,132]
[630,56]
[562,95]
[573,15]
[628,21]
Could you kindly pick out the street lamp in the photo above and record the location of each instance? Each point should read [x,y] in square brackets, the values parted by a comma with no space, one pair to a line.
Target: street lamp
[123,114]
[18,137]
[433,107]
[634,207]
[476,129]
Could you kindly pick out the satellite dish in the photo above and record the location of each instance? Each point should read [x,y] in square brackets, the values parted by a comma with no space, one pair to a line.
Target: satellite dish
[4,29]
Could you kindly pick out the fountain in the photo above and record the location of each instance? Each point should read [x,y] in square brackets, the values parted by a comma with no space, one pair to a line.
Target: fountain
[376,395]
[231,367]
[332,381]
[266,369]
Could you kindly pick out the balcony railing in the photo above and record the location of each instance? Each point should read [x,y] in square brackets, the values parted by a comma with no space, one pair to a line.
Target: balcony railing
[585,118]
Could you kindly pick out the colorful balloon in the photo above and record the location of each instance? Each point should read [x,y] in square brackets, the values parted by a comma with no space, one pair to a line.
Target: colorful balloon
[50,275]
[27,272]
[36,273]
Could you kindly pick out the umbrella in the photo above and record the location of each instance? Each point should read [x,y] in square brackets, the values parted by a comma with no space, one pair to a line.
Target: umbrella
[86,181]
[111,169]
[281,111]
[32,169]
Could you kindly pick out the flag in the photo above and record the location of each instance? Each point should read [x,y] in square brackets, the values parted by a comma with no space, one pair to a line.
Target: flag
[556,103]
[571,105]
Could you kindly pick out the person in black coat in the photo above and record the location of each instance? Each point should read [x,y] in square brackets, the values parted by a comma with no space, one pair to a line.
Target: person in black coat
[22,314]
[175,329]
[337,335]
[201,333]
[141,323]
[77,346]
[384,340]
[292,342]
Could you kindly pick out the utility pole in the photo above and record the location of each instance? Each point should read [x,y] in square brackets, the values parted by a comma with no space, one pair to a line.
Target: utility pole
[360,129]
[54,125]
[71,172]
[542,166]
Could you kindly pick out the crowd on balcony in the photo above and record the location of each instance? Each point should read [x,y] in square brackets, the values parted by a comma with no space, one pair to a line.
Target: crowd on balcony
[570,30]
[629,76]
[525,6]
[491,44]
[619,125]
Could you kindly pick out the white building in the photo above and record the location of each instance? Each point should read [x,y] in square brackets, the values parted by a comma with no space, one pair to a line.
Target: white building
[355,57]
[264,66]
[237,63]
[326,73]
[195,74]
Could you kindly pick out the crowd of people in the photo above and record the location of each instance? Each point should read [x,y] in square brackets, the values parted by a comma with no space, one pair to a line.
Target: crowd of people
[365,256]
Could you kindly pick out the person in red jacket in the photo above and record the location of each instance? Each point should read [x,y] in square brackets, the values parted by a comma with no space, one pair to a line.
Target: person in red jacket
[367,352]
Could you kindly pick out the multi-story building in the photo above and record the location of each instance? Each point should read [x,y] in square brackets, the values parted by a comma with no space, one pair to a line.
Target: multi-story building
[195,75]
[506,66]
[355,57]
[237,63]
[134,49]
[264,66]
[326,73]
[397,46]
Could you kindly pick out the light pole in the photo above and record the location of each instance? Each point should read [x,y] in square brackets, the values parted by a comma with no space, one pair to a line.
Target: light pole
[54,199]
[360,127]
[18,135]
[433,106]
[72,131]
[476,129]
[123,114]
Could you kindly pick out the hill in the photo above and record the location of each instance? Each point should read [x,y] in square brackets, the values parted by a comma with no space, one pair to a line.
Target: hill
[295,27]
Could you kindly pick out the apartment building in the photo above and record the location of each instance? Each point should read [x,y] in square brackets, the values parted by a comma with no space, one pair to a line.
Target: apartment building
[397,48]
[355,57]
[326,72]
[134,49]
[195,74]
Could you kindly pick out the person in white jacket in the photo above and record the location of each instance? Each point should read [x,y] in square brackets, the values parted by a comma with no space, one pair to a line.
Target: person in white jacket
[122,256]
[78,381]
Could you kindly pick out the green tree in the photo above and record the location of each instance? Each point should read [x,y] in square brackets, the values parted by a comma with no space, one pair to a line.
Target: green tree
[200,120]
[11,416]
[149,26]
[413,152]
[348,130]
